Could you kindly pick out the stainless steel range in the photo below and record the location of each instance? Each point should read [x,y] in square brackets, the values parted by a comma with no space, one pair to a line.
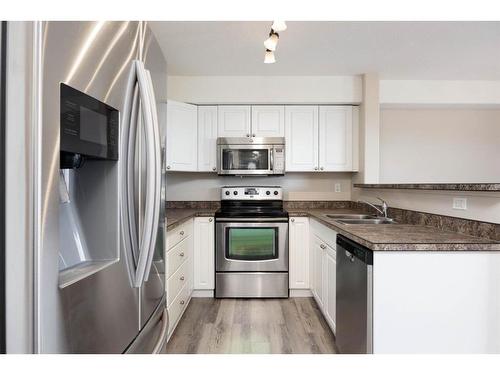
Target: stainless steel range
[251,243]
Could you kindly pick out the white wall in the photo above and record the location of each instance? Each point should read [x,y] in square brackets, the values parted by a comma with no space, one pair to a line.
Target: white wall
[298,186]
[439,92]
[439,145]
[268,89]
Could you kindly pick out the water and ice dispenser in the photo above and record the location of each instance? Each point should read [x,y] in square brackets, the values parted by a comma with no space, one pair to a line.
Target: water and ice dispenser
[88,186]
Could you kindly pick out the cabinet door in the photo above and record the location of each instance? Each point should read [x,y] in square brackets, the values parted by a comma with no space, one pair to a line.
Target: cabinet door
[233,121]
[204,254]
[335,138]
[330,282]
[301,133]
[318,270]
[182,129]
[268,121]
[207,138]
[299,253]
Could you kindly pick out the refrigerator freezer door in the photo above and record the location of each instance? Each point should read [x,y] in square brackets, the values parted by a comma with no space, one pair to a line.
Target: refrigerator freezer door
[100,313]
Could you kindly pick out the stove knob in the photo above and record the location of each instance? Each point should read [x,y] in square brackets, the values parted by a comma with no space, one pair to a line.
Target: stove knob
[227,193]
[268,192]
[235,192]
[276,192]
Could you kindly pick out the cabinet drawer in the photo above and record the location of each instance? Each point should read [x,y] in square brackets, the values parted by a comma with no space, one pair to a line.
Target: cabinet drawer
[177,281]
[325,234]
[178,255]
[177,307]
[176,235]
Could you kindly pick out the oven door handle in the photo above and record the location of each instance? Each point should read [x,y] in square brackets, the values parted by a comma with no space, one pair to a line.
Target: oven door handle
[252,220]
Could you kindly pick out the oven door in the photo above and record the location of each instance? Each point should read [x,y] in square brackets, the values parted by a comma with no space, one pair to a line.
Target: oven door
[245,159]
[250,246]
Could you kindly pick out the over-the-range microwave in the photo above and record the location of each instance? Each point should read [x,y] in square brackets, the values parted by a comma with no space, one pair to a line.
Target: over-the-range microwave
[251,156]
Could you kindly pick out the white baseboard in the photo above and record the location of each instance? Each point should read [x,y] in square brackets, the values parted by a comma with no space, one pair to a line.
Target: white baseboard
[300,293]
[203,293]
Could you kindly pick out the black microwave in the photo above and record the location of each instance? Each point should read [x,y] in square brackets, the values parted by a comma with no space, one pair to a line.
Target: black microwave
[89,128]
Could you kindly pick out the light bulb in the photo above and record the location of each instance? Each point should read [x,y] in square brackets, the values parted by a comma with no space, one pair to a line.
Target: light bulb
[271,42]
[269,57]
[279,26]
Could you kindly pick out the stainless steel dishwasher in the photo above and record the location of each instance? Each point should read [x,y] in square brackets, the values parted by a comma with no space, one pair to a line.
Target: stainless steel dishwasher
[354,297]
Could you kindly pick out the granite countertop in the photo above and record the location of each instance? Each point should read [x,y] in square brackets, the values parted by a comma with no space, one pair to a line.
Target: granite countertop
[177,216]
[387,237]
[406,237]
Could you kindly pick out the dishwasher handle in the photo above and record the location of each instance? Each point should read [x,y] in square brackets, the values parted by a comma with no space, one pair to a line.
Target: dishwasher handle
[349,255]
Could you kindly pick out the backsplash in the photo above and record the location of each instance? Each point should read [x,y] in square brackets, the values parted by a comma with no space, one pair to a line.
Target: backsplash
[289,205]
[449,223]
[205,205]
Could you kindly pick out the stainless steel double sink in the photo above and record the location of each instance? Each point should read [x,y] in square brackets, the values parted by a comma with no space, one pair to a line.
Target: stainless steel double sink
[353,219]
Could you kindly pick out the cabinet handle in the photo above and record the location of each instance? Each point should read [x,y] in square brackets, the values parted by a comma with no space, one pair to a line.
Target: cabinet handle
[248,135]
[181,254]
[292,220]
[214,169]
[315,168]
[168,166]
[182,302]
[322,246]
[181,233]
[182,278]
[210,220]
[321,168]
[253,135]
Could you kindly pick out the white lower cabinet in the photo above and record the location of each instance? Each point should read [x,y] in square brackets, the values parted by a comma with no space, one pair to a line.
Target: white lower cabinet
[179,271]
[323,269]
[299,253]
[204,254]
[331,284]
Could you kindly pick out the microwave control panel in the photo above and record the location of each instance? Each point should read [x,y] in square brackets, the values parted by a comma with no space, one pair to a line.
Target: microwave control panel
[279,160]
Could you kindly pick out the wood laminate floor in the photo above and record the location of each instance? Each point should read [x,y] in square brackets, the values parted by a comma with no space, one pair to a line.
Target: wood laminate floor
[222,326]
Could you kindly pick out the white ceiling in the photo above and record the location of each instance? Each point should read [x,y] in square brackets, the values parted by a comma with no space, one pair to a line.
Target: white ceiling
[396,50]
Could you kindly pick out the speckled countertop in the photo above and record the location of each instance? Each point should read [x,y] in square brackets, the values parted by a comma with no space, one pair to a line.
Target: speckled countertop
[177,216]
[399,237]
[390,237]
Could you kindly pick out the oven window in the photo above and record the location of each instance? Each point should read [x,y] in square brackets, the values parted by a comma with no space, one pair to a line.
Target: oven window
[245,159]
[252,243]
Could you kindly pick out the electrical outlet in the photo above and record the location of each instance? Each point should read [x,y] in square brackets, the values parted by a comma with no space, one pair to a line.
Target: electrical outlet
[337,188]
[460,203]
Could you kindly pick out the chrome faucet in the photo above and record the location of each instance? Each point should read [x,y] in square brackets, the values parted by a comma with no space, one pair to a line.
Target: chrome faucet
[382,211]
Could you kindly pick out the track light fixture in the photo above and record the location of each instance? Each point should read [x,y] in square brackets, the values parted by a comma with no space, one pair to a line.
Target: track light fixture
[279,26]
[269,57]
[272,42]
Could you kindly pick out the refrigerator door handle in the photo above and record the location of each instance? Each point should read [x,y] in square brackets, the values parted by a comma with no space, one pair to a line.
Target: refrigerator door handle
[163,334]
[146,238]
[157,174]
[130,118]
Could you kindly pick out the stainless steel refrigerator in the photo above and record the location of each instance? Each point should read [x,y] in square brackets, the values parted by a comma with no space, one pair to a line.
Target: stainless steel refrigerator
[99,282]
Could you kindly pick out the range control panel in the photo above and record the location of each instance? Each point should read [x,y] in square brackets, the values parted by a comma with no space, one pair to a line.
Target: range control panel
[251,193]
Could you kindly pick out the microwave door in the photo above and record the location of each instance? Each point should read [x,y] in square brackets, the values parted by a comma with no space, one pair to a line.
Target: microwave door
[245,160]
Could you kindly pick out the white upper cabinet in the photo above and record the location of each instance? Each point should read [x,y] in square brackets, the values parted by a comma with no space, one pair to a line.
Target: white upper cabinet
[301,133]
[234,121]
[182,127]
[207,138]
[268,121]
[335,138]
